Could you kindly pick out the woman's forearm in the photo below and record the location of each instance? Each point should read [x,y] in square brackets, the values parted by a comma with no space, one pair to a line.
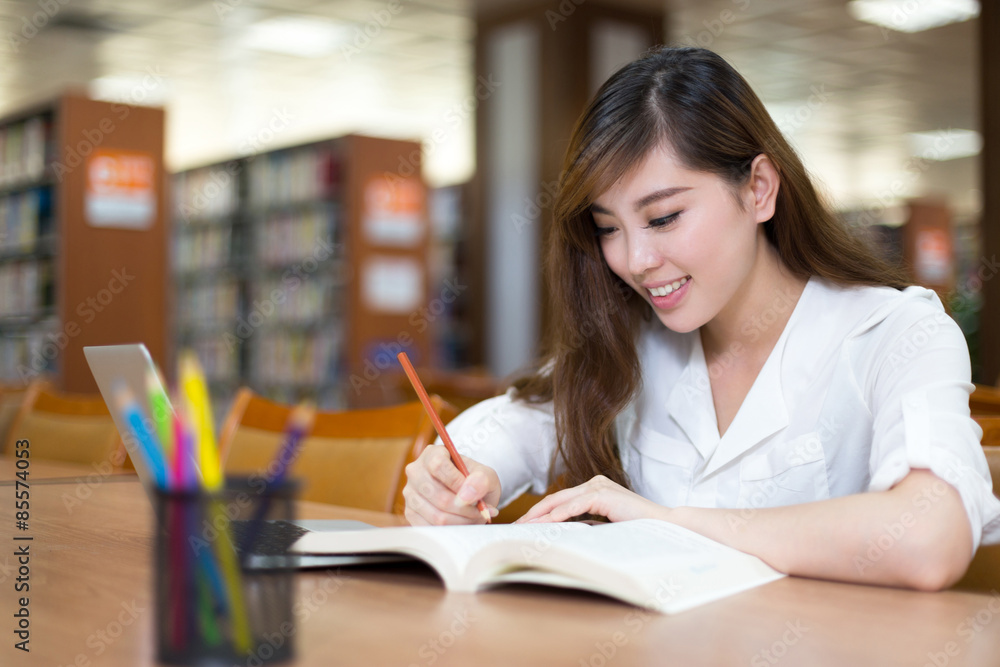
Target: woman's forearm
[916,535]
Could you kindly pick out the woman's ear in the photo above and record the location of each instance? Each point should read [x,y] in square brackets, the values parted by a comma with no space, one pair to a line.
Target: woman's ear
[764,184]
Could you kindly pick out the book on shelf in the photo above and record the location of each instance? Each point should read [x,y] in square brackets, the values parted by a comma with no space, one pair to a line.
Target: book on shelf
[646,562]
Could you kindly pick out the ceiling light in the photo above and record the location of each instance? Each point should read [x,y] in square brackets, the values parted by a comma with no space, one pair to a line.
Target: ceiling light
[149,89]
[913,15]
[296,36]
[944,144]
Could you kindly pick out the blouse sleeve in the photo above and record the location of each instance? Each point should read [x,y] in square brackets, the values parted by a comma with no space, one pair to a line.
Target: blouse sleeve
[920,405]
[515,438]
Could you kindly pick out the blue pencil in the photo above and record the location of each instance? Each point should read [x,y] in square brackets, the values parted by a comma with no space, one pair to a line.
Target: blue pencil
[150,449]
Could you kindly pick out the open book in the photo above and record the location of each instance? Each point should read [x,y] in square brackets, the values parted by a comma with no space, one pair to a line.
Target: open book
[649,563]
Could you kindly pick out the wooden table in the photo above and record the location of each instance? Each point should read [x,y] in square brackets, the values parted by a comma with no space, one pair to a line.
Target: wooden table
[90,604]
[45,470]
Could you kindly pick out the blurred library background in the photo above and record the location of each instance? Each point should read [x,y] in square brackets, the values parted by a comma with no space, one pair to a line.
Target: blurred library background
[299,190]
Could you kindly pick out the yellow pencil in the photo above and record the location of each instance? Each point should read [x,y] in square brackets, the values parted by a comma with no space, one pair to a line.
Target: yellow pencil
[200,409]
[196,393]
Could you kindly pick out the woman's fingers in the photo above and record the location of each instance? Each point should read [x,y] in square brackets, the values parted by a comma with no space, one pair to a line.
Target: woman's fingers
[437,493]
[481,484]
[553,506]
[599,496]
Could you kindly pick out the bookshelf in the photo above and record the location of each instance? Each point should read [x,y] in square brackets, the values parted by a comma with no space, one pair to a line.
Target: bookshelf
[298,270]
[82,237]
[448,315]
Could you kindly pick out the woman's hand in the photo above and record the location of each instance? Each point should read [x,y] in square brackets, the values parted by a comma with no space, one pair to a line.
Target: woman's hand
[437,494]
[598,496]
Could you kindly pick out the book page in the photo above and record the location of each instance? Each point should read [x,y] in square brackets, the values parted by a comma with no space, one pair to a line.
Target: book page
[445,548]
[651,563]
[645,544]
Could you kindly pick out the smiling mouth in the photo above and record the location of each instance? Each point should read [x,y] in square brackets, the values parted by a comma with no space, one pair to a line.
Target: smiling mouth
[667,289]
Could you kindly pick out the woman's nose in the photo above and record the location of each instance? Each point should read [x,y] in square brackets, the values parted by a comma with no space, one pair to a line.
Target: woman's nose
[642,257]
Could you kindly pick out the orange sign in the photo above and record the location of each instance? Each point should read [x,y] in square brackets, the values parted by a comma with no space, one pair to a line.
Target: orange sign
[932,263]
[121,189]
[394,211]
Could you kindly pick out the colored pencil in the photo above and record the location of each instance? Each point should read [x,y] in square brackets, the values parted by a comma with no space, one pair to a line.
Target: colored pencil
[200,410]
[163,418]
[456,458]
[299,424]
[196,393]
[150,449]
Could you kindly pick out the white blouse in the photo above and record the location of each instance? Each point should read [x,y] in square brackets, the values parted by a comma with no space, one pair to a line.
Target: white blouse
[863,385]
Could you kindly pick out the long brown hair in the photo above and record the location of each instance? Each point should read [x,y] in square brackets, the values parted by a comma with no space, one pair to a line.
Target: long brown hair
[696,102]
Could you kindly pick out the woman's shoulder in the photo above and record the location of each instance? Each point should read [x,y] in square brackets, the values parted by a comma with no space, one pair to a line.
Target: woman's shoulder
[861,309]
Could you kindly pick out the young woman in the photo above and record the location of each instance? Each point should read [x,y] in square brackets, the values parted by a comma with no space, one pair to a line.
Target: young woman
[727,356]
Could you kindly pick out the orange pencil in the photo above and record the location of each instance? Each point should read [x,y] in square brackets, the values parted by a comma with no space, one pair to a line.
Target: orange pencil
[438,424]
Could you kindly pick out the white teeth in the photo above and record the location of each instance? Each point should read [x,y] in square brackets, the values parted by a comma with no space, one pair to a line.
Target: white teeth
[667,289]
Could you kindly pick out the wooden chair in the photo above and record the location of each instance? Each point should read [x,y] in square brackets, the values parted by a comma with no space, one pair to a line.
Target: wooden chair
[66,427]
[985,400]
[354,458]
[11,398]
[991,430]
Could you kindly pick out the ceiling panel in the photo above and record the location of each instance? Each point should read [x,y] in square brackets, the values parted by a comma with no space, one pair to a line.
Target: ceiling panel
[415,65]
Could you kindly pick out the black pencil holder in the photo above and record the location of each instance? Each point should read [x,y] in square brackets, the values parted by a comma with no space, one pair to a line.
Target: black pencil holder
[215,605]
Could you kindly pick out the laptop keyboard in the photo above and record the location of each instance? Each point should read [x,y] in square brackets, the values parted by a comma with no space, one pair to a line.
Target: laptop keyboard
[273,538]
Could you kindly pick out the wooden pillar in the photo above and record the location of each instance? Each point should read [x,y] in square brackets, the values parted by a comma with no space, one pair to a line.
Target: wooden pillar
[928,250]
[537,65]
[989,67]
[111,285]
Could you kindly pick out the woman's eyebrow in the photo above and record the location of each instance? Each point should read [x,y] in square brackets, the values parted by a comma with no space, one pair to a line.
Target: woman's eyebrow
[656,196]
[645,201]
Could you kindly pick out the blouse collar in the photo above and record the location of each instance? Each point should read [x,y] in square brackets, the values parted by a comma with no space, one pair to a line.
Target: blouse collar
[762,414]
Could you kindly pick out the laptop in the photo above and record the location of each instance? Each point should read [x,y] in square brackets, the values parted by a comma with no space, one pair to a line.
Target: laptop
[132,364]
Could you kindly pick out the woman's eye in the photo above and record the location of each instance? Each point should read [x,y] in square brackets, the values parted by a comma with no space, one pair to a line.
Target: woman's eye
[604,231]
[665,220]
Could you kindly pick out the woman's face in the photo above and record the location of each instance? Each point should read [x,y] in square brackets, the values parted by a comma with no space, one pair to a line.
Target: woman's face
[681,239]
